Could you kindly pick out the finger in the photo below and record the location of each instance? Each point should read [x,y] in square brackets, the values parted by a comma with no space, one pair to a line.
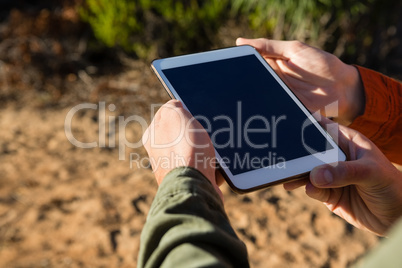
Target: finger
[354,144]
[145,138]
[340,134]
[334,130]
[218,190]
[319,194]
[175,103]
[219,177]
[171,106]
[270,48]
[172,113]
[292,70]
[274,65]
[342,174]
[166,108]
[292,185]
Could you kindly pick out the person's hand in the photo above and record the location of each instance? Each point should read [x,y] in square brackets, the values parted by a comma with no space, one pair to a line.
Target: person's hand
[366,191]
[318,78]
[176,139]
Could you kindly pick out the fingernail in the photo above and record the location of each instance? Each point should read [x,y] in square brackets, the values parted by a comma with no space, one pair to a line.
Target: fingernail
[175,102]
[321,177]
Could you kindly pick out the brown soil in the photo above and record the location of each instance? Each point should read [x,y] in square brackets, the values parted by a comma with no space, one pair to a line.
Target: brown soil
[64,206]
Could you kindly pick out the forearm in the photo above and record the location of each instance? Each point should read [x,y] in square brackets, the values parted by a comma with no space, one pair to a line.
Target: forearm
[187,226]
[354,99]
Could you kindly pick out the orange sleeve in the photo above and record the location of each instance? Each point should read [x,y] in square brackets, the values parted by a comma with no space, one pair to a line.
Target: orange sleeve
[382,120]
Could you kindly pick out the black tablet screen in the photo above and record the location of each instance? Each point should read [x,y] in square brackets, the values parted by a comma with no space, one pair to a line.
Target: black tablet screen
[251,120]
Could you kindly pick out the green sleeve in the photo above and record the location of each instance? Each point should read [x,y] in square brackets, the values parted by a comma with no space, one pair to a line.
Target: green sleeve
[388,253]
[187,226]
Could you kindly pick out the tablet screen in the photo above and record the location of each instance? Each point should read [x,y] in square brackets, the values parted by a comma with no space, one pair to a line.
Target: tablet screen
[252,121]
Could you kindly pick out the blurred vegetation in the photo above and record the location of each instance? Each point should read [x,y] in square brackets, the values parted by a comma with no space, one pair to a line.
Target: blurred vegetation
[149,27]
[366,32]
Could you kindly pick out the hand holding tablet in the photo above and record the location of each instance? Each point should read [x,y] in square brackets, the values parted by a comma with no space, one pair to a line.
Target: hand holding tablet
[318,78]
[262,134]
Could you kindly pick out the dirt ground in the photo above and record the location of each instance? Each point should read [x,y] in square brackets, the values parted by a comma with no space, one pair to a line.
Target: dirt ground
[65,206]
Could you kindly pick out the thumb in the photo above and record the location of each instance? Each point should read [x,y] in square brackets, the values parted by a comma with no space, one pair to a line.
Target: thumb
[341,174]
[269,48]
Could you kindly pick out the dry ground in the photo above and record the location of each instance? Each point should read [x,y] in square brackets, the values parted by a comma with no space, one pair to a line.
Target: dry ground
[64,206]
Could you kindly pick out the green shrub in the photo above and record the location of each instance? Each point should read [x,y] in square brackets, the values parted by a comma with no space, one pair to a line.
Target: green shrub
[150,28]
[309,21]
[354,30]
[359,31]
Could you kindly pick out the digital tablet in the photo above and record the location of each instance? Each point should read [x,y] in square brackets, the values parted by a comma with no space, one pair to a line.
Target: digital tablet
[261,132]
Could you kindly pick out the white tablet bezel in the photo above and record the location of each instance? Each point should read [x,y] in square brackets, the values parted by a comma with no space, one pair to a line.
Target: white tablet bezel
[254,179]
